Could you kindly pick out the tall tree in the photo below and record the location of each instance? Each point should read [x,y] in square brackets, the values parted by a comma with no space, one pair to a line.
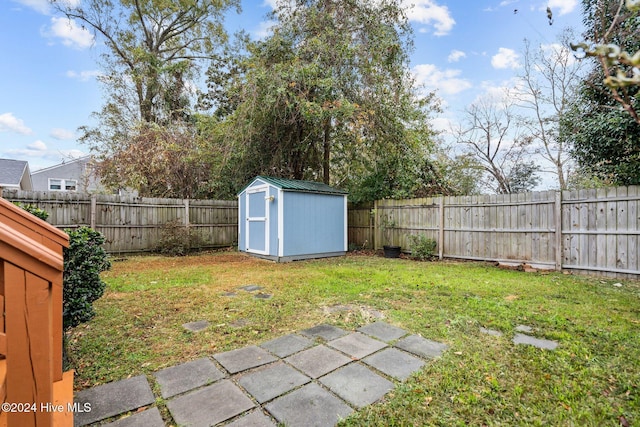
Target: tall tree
[601,126]
[548,86]
[152,52]
[491,134]
[329,94]
[153,46]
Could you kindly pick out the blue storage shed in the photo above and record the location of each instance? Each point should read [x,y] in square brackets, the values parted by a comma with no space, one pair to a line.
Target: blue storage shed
[286,220]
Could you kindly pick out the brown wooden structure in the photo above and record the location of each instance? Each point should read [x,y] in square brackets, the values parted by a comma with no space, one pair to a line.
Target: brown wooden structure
[31,377]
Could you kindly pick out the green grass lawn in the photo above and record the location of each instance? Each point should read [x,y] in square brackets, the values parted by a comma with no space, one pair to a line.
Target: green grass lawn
[591,379]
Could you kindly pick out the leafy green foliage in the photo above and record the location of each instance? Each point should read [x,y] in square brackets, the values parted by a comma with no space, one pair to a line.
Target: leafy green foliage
[601,127]
[84,260]
[34,210]
[328,96]
[422,247]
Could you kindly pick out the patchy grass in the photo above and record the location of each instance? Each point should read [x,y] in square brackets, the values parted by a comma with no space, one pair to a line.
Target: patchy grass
[592,378]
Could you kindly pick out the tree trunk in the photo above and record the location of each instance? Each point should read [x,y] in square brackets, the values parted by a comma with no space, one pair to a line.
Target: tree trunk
[326,144]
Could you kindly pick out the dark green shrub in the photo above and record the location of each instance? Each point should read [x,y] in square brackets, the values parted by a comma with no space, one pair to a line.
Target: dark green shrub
[40,213]
[422,247]
[84,260]
[177,240]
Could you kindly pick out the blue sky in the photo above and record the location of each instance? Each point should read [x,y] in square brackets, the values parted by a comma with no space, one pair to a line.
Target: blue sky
[48,88]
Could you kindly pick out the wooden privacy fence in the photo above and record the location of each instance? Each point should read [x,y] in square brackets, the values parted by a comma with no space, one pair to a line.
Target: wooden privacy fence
[33,389]
[584,230]
[135,224]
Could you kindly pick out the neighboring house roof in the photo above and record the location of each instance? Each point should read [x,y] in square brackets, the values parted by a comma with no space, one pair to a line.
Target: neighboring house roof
[297,185]
[15,173]
[83,159]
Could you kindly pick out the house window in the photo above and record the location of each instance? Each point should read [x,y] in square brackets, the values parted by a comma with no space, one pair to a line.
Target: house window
[62,184]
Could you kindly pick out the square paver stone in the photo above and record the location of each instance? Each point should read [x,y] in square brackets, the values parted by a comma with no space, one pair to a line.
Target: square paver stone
[198,326]
[536,342]
[310,406]
[357,345]
[272,381]
[318,361]
[112,399]
[253,419]
[383,331]
[395,363]
[187,376]
[244,358]
[326,332]
[148,418]
[357,385]
[421,346]
[287,345]
[209,405]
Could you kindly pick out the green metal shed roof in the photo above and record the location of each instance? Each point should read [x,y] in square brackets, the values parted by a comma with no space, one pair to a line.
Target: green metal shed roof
[297,185]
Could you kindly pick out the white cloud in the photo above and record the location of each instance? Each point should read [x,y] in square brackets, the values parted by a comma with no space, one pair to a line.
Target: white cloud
[40,6]
[561,7]
[83,76]
[62,134]
[264,29]
[428,12]
[456,55]
[505,58]
[446,81]
[72,34]
[10,123]
[37,146]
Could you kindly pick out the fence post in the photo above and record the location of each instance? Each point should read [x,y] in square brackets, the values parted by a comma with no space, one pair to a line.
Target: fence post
[376,229]
[441,230]
[186,213]
[558,225]
[94,203]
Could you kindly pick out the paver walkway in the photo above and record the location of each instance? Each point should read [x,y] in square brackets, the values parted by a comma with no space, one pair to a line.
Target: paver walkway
[311,378]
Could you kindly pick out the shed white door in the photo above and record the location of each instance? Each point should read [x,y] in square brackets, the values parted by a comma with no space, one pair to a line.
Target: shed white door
[257,232]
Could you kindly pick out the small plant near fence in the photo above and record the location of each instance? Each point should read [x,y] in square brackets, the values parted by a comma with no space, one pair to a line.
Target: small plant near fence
[177,240]
[422,247]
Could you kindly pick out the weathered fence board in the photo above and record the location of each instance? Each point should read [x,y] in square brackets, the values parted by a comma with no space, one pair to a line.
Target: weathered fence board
[135,224]
[595,231]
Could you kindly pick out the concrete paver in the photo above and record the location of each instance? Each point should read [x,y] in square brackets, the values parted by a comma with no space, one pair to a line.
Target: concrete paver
[357,384]
[148,418]
[383,331]
[287,345]
[271,381]
[210,405]
[318,361]
[421,346]
[326,332]
[357,345]
[309,406]
[245,358]
[253,419]
[536,342]
[292,380]
[395,363]
[112,399]
[491,332]
[198,326]
[187,376]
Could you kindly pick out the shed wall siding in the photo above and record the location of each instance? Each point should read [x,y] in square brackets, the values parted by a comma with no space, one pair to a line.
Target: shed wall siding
[313,223]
